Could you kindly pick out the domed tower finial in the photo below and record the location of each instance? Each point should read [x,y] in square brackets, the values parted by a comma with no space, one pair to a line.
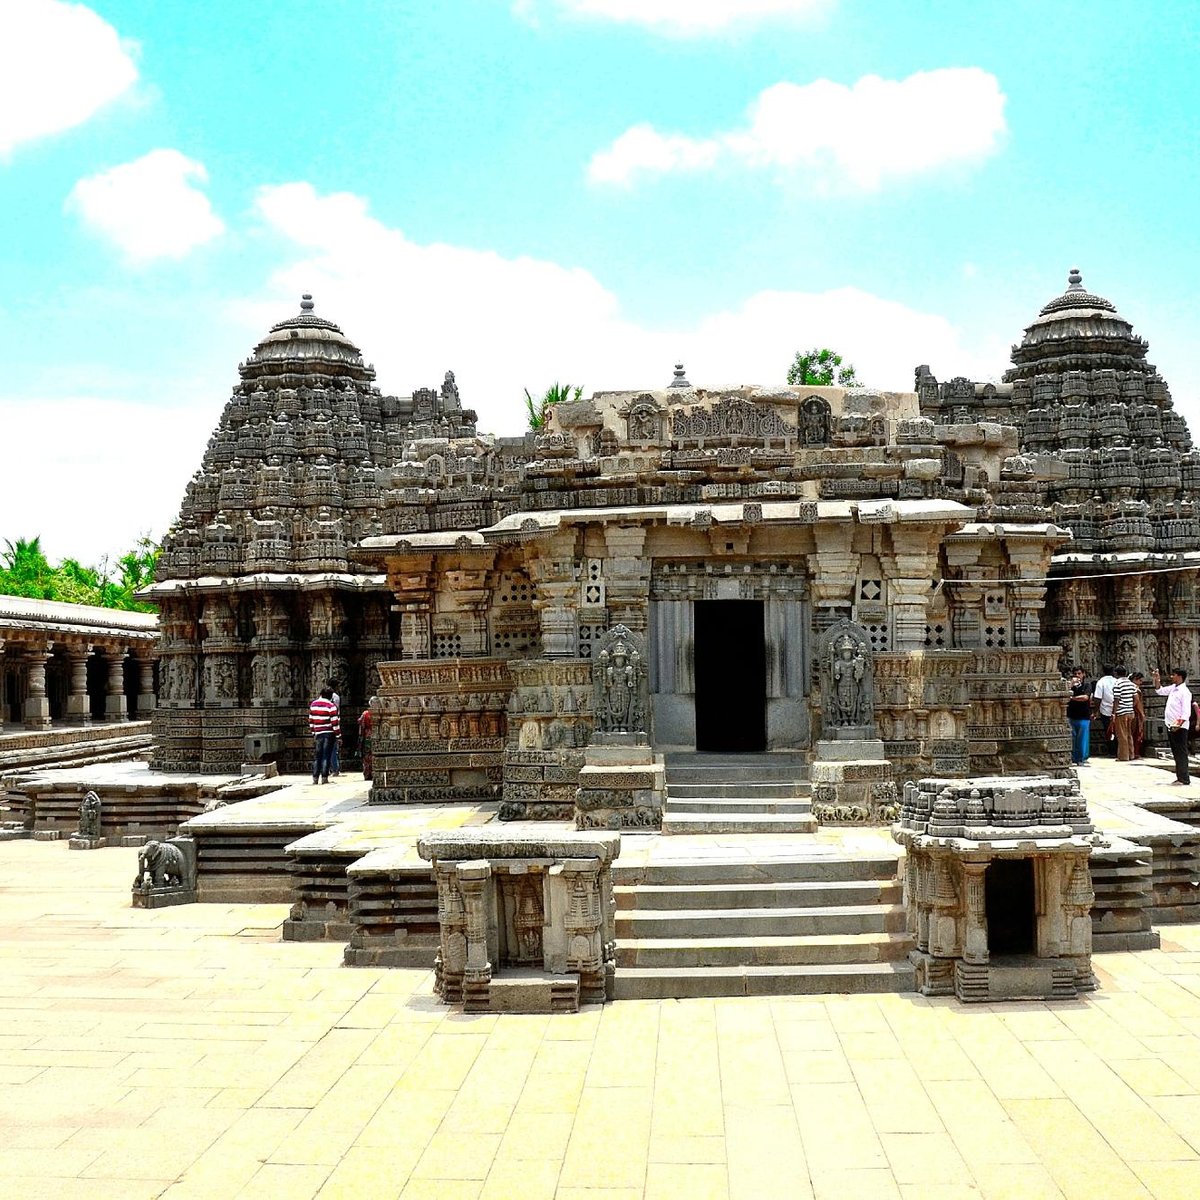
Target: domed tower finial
[306,302]
[1075,279]
[679,381]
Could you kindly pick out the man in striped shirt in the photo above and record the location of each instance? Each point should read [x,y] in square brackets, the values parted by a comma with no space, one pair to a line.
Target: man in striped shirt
[1123,690]
[1177,717]
[324,726]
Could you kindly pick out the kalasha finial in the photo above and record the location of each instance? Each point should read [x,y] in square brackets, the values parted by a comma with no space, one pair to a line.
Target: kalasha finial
[1075,280]
[679,381]
[306,302]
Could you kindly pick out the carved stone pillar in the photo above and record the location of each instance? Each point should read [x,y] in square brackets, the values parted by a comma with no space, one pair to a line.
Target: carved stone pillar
[115,707]
[3,688]
[474,880]
[975,935]
[628,576]
[37,705]
[943,927]
[909,571]
[79,704]
[833,573]
[146,700]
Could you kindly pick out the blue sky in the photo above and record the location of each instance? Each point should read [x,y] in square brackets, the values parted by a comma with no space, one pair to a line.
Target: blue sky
[557,189]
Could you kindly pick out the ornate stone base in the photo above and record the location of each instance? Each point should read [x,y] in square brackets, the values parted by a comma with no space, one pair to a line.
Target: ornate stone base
[852,784]
[79,842]
[622,784]
[1020,977]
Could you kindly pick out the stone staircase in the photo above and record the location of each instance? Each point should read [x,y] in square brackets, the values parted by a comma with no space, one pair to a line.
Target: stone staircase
[803,924]
[737,793]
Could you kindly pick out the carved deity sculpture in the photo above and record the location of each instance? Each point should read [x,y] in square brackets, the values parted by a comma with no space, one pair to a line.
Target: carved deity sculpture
[847,682]
[620,682]
[89,816]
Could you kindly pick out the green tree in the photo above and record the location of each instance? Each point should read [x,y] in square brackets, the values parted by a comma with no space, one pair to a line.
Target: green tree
[25,571]
[556,393]
[820,368]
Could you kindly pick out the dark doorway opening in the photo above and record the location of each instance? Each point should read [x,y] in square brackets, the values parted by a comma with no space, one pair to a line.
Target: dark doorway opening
[731,676]
[1009,904]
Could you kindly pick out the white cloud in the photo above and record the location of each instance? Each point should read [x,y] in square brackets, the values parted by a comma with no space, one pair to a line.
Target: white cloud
[832,135]
[151,207]
[506,324]
[59,64]
[682,18]
[110,472]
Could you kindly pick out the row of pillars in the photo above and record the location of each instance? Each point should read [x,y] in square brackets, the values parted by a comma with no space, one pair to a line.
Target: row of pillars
[35,709]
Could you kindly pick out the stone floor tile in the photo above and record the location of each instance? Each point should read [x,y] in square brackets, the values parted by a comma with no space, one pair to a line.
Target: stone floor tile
[895,1097]
[765,1154]
[876,1183]
[925,1158]
[443,1062]
[981,1130]
[1151,1077]
[836,1128]
[818,1066]
[457,1156]
[1126,1121]
[366,1171]
[41,1187]
[682,1148]
[598,1193]
[686,1181]
[939,1191]
[1080,1161]
[274,1181]
[536,1136]
[1182,1113]
[409,1116]
[1171,1181]
[442,1189]
[525,1180]
[870,1046]
[1015,1181]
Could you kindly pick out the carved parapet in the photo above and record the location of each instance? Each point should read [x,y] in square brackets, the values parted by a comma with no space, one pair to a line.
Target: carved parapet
[439,730]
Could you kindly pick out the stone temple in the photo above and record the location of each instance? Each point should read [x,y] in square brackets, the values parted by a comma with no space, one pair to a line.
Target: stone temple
[686,610]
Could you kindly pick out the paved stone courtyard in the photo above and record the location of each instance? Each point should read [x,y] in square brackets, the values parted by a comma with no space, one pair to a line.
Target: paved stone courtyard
[187,1052]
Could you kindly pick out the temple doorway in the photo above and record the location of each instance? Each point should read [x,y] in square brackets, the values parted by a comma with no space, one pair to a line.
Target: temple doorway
[731,676]
[1009,905]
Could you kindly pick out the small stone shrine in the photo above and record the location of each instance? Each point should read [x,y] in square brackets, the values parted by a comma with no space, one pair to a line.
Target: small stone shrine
[526,921]
[997,887]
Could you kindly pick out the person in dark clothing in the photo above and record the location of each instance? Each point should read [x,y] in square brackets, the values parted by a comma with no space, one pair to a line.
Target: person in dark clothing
[1079,715]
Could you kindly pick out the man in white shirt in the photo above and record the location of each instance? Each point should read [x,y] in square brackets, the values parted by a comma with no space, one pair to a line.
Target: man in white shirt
[1103,695]
[1177,717]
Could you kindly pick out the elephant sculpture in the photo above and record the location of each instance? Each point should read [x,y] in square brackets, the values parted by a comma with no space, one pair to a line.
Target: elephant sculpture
[160,865]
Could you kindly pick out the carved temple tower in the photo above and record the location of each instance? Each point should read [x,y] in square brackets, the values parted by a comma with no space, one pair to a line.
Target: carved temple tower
[1115,462]
[260,600]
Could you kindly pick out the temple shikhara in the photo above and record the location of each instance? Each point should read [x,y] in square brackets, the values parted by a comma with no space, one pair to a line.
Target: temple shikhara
[684,610]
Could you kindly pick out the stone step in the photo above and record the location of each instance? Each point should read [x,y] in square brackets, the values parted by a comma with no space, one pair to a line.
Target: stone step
[750,923]
[804,894]
[813,949]
[648,983]
[737,805]
[707,758]
[796,868]
[771,823]
[736,774]
[735,789]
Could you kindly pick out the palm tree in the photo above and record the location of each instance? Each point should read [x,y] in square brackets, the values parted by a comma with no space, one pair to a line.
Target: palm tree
[556,393]
[24,570]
